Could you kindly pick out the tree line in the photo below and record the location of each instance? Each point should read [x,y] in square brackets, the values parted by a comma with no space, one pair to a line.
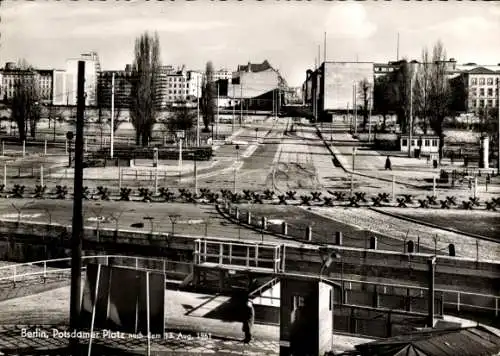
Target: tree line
[426,89]
[144,101]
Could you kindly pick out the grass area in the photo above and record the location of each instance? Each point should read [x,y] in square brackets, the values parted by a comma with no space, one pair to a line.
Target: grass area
[474,222]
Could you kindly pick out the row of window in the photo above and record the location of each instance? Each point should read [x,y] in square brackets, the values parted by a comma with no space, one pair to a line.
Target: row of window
[482,81]
[415,143]
[481,92]
[482,103]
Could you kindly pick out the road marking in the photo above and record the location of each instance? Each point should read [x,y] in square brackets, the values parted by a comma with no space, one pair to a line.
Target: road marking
[22,216]
[191,221]
[249,151]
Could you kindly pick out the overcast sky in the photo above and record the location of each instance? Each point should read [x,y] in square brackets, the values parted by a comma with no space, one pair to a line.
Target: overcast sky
[287,34]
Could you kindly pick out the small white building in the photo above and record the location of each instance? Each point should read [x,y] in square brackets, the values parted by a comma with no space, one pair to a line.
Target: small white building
[427,144]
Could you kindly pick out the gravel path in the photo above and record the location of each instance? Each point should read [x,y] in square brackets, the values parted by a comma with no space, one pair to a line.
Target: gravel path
[367,219]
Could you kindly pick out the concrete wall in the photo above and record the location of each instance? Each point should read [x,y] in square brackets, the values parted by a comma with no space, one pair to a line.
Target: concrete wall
[451,272]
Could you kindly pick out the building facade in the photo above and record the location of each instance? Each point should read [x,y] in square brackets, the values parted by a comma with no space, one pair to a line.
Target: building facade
[482,85]
[41,79]
[92,71]
[259,86]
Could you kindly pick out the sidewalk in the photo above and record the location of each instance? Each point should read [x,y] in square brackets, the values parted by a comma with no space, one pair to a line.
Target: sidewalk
[371,163]
[210,335]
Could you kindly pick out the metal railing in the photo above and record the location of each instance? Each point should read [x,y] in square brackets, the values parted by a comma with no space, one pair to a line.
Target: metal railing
[452,299]
[237,254]
[15,273]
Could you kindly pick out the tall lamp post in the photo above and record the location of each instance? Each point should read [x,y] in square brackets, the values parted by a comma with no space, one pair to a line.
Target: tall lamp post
[69,137]
[237,148]
[498,137]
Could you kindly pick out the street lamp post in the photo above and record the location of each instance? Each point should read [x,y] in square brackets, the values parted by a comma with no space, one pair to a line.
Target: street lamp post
[69,137]
[498,137]
[237,147]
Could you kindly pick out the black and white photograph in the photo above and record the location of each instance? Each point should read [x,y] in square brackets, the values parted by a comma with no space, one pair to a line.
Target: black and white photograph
[292,178]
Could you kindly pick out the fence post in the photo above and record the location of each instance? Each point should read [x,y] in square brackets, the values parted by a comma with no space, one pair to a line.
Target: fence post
[284,228]
[14,276]
[24,148]
[3,148]
[338,238]
[44,269]
[5,175]
[458,301]
[45,148]
[308,233]
[41,175]
[496,306]
[119,178]
[136,263]
[249,218]
[434,186]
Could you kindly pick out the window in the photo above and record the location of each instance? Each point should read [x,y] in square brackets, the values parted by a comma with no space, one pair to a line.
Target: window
[490,91]
[404,142]
[434,143]
[413,143]
[481,103]
[481,81]
[426,143]
[473,92]
[490,81]
[481,92]
[297,301]
[473,81]
[490,103]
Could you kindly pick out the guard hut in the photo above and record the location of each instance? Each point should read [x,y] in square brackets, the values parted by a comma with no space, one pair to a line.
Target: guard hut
[306,316]
[420,145]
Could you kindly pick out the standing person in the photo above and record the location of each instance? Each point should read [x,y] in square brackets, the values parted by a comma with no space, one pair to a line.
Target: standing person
[249,318]
[388,165]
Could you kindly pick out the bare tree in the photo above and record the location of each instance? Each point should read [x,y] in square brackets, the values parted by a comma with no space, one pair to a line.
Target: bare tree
[440,93]
[422,91]
[208,96]
[401,83]
[144,103]
[365,92]
[25,105]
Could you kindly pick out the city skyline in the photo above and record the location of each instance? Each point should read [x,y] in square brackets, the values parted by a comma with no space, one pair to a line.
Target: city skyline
[286,34]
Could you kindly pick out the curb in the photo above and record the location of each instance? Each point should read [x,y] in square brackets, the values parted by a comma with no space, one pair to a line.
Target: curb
[415,221]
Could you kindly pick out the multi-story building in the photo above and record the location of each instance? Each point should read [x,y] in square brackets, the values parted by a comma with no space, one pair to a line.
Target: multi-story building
[260,86]
[60,94]
[92,70]
[41,80]
[45,82]
[335,86]
[123,88]
[222,74]
[180,86]
[481,86]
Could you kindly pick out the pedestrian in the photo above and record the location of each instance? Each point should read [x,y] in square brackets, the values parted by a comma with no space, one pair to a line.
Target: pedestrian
[388,165]
[248,320]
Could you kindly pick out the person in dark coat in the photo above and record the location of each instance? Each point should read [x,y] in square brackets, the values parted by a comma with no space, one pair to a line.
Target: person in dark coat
[388,165]
[248,321]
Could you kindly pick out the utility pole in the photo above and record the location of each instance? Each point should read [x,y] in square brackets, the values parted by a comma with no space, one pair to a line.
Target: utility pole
[234,107]
[217,122]
[355,111]
[77,228]
[410,133]
[498,141]
[324,49]
[197,111]
[112,113]
[241,101]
